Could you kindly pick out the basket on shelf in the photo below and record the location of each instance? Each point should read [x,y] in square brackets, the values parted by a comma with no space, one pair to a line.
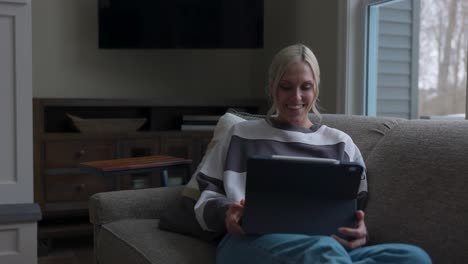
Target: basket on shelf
[106,125]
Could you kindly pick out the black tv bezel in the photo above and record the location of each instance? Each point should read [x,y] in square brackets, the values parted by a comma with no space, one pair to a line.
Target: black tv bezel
[179,39]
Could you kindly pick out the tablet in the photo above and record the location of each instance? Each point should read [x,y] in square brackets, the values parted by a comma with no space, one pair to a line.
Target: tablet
[300,195]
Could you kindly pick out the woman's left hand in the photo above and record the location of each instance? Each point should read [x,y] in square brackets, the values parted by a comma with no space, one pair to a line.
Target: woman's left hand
[359,234]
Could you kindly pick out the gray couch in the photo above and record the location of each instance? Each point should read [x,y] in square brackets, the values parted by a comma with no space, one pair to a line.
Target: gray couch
[418,183]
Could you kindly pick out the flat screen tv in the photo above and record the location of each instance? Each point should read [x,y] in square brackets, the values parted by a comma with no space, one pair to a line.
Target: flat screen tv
[180,24]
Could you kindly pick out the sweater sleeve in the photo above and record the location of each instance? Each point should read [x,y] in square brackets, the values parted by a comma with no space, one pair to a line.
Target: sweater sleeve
[211,207]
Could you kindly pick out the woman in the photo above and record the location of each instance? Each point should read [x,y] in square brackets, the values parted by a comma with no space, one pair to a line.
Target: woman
[294,78]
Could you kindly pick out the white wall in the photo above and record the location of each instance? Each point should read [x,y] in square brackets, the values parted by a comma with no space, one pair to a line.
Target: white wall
[317,27]
[68,64]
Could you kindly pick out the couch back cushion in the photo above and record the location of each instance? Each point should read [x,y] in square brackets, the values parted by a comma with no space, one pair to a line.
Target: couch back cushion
[418,181]
[366,132]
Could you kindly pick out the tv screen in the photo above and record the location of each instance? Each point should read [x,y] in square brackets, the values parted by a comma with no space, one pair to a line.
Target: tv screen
[180,24]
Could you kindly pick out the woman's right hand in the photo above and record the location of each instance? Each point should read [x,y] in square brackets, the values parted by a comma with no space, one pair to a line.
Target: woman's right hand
[233,217]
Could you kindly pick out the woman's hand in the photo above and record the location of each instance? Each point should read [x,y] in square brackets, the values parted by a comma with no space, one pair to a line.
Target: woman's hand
[233,217]
[359,233]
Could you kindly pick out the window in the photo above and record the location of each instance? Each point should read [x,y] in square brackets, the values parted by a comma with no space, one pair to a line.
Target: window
[411,58]
[442,58]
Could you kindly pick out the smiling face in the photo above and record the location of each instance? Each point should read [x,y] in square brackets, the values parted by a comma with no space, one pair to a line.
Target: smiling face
[295,95]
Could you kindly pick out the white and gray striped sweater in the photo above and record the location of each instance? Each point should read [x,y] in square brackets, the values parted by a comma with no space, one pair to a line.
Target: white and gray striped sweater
[222,178]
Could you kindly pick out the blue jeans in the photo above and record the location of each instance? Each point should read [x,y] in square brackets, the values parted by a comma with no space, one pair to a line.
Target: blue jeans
[293,249]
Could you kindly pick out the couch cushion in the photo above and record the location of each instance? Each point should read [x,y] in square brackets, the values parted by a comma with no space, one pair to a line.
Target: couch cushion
[418,188]
[140,241]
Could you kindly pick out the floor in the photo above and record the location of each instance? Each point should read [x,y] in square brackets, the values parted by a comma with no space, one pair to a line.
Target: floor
[68,251]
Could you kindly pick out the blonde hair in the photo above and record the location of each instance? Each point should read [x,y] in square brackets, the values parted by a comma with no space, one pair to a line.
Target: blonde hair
[296,53]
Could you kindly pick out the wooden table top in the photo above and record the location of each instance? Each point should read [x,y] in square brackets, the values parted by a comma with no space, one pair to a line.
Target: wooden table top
[136,163]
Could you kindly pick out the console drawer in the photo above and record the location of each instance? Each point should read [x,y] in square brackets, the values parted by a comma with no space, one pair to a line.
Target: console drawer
[75,187]
[69,154]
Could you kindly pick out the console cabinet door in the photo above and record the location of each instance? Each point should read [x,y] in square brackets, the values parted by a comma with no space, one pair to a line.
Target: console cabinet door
[201,145]
[140,147]
[182,145]
[178,145]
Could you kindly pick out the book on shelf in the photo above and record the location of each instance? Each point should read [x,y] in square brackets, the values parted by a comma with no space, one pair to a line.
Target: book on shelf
[213,118]
[197,127]
[200,122]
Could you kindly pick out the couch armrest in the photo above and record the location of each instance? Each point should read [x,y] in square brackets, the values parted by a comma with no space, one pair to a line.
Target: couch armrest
[144,203]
